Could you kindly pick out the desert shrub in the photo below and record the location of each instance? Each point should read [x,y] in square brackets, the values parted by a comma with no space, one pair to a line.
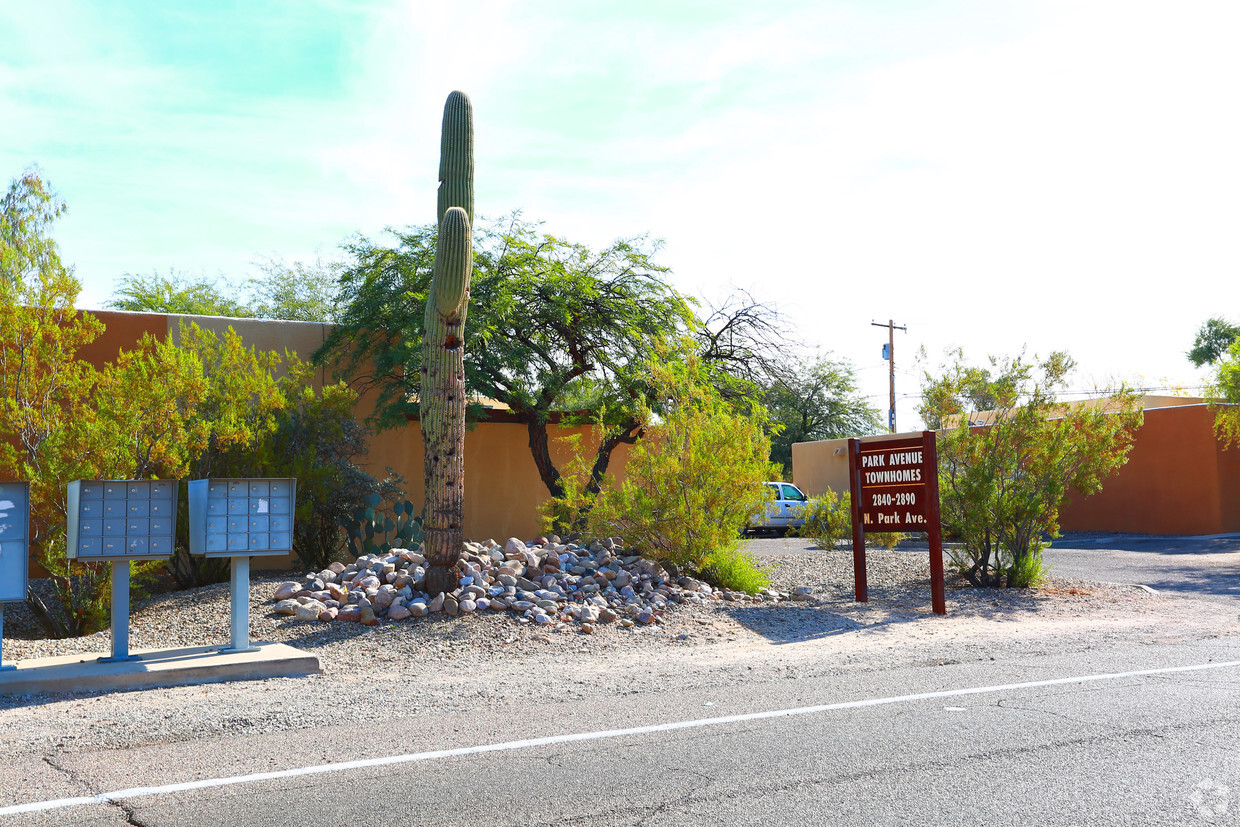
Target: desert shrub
[690,482]
[887,539]
[828,519]
[734,569]
[1002,483]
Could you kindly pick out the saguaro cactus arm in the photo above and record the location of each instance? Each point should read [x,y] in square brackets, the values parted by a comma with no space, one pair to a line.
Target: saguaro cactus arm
[456,156]
[454,258]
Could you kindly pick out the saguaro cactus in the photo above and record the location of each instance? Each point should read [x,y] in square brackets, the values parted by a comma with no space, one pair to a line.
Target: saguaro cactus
[442,396]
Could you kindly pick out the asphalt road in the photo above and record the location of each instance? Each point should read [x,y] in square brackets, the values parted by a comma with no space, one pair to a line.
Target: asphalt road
[997,744]
[1099,730]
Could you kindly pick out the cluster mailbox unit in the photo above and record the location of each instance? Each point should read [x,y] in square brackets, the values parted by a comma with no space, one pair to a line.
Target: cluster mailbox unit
[122,519]
[118,521]
[14,548]
[240,519]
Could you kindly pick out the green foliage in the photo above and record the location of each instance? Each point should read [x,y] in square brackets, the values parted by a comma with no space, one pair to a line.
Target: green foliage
[1213,340]
[828,519]
[1224,393]
[318,442]
[371,532]
[193,405]
[814,400]
[49,430]
[887,539]
[554,326]
[689,488]
[178,294]
[1001,485]
[734,569]
[296,291]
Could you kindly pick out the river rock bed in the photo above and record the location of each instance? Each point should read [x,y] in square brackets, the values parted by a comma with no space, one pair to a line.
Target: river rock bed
[544,582]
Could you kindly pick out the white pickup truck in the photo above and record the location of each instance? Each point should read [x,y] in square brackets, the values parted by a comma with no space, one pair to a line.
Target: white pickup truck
[781,513]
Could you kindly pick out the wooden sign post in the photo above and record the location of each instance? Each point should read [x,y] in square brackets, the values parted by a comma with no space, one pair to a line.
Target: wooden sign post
[894,485]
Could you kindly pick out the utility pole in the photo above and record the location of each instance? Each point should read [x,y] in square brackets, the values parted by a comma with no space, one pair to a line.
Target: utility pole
[890,355]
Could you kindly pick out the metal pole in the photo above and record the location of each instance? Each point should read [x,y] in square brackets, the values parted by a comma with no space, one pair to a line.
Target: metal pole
[3,668]
[120,613]
[239,627]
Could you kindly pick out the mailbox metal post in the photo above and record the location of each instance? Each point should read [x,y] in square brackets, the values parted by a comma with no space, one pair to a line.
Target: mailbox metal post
[120,613]
[3,667]
[239,622]
[239,519]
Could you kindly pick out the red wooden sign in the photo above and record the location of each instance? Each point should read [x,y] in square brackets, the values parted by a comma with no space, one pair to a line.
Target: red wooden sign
[894,486]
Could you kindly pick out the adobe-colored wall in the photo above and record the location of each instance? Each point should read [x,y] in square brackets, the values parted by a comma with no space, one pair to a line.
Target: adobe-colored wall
[1178,480]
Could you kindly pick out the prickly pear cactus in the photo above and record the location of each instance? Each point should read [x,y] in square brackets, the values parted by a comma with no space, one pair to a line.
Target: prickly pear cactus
[442,395]
[369,532]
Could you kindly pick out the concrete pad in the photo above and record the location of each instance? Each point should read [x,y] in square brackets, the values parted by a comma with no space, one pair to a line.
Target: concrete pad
[156,667]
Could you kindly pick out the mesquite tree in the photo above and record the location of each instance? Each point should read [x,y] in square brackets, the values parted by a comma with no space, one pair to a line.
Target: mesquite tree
[442,394]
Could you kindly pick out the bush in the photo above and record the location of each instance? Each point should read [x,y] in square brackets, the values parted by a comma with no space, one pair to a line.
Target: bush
[887,539]
[734,569]
[828,519]
[1002,484]
[690,484]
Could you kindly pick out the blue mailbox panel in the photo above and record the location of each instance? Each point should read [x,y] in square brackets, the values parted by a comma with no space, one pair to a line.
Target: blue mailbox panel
[14,540]
[241,517]
[122,519]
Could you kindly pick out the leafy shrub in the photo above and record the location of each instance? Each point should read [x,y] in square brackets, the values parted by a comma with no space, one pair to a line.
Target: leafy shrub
[734,569]
[887,539]
[690,484]
[828,519]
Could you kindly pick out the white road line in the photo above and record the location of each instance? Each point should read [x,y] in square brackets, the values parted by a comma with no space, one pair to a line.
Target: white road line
[137,792]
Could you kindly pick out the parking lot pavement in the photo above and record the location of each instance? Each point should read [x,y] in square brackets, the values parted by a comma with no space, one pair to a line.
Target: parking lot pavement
[1204,565]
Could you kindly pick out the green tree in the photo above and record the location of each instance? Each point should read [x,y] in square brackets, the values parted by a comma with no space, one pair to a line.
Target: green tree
[1213,340]
[178,294]
[295,291]
[1224,393]
[816,399]
[552,324]
[49,431]
[1001,484]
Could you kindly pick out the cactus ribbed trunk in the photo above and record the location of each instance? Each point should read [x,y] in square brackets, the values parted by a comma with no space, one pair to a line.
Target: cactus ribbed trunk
[442,394]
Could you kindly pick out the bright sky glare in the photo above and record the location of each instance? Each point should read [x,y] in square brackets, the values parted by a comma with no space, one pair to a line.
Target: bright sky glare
[1039,174]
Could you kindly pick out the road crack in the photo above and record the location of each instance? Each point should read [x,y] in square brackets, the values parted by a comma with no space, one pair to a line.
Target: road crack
[131,813]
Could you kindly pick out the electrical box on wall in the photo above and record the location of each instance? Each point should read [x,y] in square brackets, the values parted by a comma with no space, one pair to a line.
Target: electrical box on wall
[14,540]
[121,519]
[241,517]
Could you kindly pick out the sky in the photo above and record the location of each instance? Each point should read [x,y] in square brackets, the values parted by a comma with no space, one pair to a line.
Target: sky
[992,176]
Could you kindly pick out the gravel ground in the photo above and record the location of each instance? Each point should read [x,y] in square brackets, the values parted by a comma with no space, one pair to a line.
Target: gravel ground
[460,663]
